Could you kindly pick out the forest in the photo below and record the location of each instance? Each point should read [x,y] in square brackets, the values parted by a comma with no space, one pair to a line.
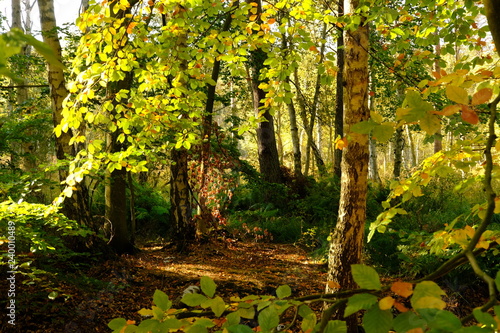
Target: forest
[241,166]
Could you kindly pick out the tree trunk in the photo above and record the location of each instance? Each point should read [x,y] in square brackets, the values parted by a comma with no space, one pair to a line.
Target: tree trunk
[205,215]
[180,193]
[339,105]
[76,207]
[116,180]
[373,169]
[438,137]
[347,239]
[180,199]
[411,148]
[294,132]
[398,152]
[266,137]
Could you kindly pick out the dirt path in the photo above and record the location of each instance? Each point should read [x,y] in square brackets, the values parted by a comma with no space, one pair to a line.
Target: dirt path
[121,287]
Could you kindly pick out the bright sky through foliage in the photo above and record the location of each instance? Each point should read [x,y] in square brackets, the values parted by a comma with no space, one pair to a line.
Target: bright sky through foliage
[66,12]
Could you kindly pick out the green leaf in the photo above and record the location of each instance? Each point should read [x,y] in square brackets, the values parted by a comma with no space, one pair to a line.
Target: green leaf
[308,322]
[473,329]
[497,282]
[268,319]
[383,132]
[205,322]
[172,323]
[53,295]
[484,318]
[364,127]
[305,311]
[414,108]
[193,299]
[218,306]
[336,326]
[197,329]
[240,329]
[117,323]
[377,321]
[232,319]
[366,277]
[408,321]
[160,299]
[283,291]
[446,321]
[248,313]
[457,94]
[359,302]
[430,123]
[149,325]
[427,295]
[208,285]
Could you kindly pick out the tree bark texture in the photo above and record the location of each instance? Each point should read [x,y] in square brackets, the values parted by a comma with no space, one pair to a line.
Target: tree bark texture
[339,105]
[76,207]
[180,193]
[266,137]
[347,239]
[180,199]
[398,152]
[116,180]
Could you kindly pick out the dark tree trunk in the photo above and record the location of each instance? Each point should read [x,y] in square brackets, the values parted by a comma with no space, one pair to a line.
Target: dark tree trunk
[116,181]
[339,105]
[180,199]
[398,152]
[266,138]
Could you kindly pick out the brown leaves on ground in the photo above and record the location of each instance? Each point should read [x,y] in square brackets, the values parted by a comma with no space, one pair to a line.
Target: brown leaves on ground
[120,288]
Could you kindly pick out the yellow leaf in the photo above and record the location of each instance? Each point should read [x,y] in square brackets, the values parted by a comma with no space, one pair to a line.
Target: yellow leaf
[253,17]
[457,94]
[416,330]
[386,303]
[497,205]
[404,289]
[429,302]
[470,231]
[376,117]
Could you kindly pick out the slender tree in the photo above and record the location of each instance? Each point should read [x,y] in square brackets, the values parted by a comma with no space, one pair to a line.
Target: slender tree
[339,104]
[76,206]
[348,236]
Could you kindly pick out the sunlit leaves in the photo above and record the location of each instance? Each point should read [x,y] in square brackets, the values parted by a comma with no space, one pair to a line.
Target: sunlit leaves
[427,295]
[457,94]
[415,109]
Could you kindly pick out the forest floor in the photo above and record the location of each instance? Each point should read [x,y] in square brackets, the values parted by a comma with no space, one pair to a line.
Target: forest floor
[87,301]
[121,287]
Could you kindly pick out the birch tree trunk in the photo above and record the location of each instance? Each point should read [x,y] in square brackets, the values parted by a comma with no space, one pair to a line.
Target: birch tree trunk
[347,238]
